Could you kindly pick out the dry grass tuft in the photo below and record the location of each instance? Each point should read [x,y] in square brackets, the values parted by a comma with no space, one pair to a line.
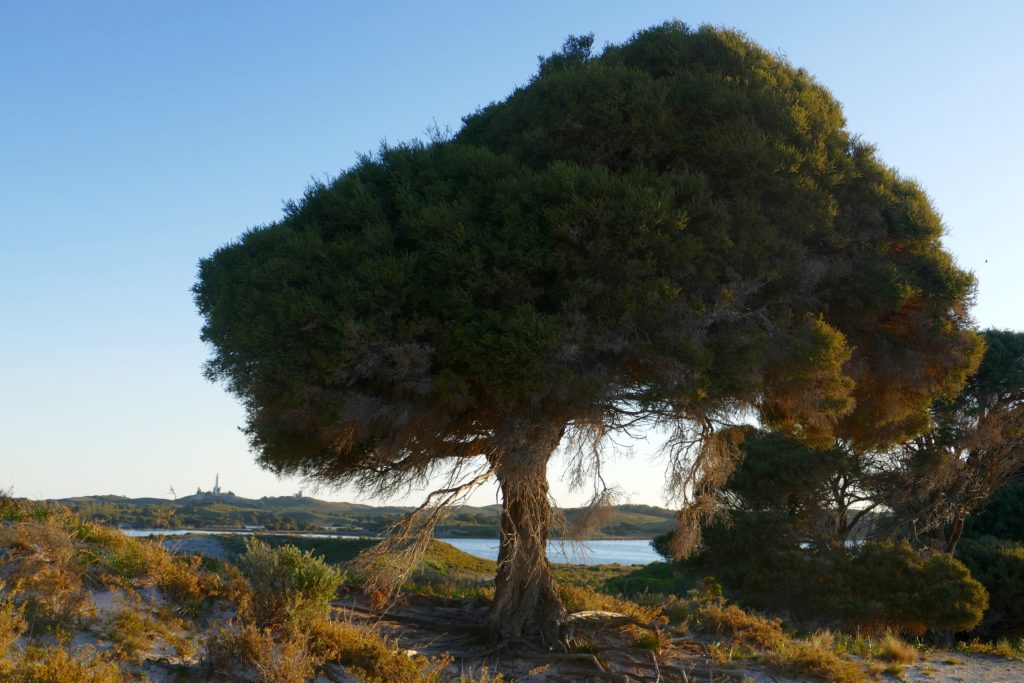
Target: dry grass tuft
[765,640]
[1008,648]
[579,598]
[745,628]
[892,649]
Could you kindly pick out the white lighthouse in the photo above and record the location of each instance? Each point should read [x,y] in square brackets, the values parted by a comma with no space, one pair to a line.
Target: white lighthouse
[216,485]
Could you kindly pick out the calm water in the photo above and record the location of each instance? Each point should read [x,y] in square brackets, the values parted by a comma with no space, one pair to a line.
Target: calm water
[139,533]
[585,552]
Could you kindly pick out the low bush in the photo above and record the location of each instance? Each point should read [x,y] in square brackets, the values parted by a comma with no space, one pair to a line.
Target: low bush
[999,566]
[879,587]
[278,655]
[369,656]
[272,659]
[288,585]
[890,587]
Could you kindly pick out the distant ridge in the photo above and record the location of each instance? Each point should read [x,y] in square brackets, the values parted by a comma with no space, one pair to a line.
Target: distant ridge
[227,510]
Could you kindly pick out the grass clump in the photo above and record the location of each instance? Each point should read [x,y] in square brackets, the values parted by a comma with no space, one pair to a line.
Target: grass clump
[764,639]
[1010,648]
[580,598]
[892,648]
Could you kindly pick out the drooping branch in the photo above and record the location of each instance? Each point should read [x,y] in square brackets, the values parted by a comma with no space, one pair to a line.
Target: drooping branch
[387,565]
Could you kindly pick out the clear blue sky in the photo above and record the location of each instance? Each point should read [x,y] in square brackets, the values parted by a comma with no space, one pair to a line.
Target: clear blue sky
[137,137]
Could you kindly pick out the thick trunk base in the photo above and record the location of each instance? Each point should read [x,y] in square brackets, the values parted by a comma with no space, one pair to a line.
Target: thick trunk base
[526,604]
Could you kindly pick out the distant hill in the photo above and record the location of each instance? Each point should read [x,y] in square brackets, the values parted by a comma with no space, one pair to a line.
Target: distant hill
[228,511]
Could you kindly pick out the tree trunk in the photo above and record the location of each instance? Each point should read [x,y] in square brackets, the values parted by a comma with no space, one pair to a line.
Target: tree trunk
[525,603]
[953,534]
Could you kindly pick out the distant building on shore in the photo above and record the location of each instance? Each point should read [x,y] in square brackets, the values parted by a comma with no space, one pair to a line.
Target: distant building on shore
[216,488]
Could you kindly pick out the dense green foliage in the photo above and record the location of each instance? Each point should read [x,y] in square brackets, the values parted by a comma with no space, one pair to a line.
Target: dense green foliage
[876,587]
[1001,517]
[893,586]
[681,224]
[657,578]
[784,547]
[999,566]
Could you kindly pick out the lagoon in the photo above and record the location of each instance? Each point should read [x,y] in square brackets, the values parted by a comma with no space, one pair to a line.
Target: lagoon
[626,552]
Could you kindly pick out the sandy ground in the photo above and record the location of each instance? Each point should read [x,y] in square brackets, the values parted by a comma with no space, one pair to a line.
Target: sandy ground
[959,667]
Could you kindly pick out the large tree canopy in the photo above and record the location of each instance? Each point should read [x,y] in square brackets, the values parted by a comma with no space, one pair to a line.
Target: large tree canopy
[679,230]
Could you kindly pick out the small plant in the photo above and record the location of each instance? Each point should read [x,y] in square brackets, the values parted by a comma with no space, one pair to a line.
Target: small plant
[287,584]
[57,665]
[12,621]
[647,640]
[131,632]
[485,676]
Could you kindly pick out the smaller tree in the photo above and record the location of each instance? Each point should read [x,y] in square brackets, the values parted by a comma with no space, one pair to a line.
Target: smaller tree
[975,447]
[821,494]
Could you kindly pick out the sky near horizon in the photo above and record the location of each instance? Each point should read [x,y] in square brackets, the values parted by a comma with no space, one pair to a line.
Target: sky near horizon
[136,138]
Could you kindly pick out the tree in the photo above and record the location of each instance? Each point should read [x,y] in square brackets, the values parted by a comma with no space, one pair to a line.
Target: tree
[975,447]
[820,496]
[677,232]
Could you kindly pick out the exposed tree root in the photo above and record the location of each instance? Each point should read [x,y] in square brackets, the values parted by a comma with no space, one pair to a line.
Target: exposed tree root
[448,627]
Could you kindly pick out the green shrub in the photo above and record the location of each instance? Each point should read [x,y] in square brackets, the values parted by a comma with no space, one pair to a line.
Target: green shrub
[759,561]
[878,587]
[999,566]
[892,587]
[662,544]
[288,586]
[659,578]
